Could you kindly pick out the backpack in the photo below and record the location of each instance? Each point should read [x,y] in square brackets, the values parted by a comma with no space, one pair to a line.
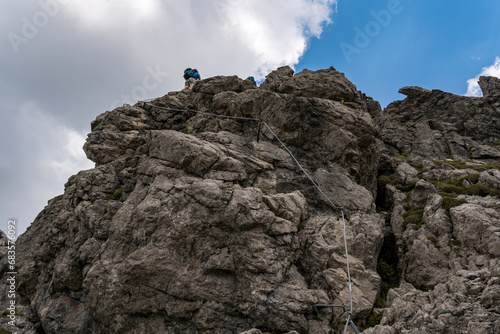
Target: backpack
[252,79]
[190,72]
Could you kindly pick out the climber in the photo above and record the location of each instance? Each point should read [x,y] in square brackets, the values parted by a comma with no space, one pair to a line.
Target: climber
[252,80]
[191,75]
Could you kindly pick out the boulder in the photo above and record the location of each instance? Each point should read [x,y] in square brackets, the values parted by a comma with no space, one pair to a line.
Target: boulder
[489,85]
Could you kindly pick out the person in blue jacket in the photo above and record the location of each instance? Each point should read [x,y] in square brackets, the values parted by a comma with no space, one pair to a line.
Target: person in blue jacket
[252,79]
[191,75]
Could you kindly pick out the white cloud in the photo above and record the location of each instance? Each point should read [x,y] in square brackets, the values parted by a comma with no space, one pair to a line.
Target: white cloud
[98,14]
[71,158]
[264,34]
[44,132]
[44,153]
[67,61]
[276,32]
[473,88]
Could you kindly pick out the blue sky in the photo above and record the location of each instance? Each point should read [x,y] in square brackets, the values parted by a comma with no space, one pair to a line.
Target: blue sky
[432,44]
[64,62]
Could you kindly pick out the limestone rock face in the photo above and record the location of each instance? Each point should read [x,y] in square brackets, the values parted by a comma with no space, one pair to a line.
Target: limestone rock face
[442,214]
[435,124]
[332,85]
[458,305]
[191,223]
[446,236]
[490,86]
[202,215]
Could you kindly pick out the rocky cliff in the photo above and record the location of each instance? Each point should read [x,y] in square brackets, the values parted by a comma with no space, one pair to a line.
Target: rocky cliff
[202,214]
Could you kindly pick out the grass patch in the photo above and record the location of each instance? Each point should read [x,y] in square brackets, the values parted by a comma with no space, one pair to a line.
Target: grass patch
[384,180]
[387,268]
[450,187]
[451,200]
[117,194]
[407,187]
[472,178]
[480,189]
[404,157]
[381,299]
[433,240]
[445,184]
[418,166]
[456,187]
[456,243]
[5,313]
[387,273]
[372,321]
[4,331]
[390,280]
[440,312]
[392,179]
[413,216]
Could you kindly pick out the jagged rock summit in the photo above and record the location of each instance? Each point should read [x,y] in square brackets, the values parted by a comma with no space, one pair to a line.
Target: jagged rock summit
[196,218]
[432,124]
[489,85]
[191,223]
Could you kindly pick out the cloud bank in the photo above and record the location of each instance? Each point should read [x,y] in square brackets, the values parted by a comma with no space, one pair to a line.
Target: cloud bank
[64,62]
